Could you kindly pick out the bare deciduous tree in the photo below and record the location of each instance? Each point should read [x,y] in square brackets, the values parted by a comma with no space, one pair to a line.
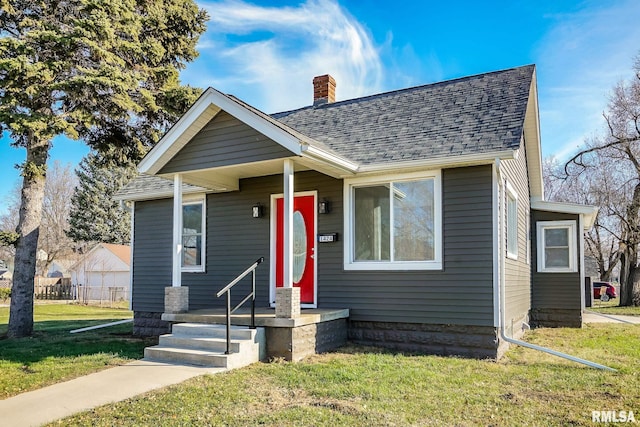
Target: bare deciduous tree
[593,184]
[59,187]
[613,162]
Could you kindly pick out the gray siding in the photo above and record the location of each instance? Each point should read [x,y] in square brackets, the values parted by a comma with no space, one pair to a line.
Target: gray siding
[554,290]
[224,141]
[518,271]
[151,253]
[459,294]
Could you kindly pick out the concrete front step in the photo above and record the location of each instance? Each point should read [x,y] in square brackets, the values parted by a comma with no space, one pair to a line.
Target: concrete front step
[212,331]
[200,343]
[189,356]
[205,345]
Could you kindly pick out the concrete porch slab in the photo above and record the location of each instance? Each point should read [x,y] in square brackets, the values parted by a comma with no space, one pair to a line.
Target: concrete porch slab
[264,317]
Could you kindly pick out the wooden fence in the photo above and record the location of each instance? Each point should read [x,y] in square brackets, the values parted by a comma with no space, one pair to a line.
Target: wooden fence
[53,288]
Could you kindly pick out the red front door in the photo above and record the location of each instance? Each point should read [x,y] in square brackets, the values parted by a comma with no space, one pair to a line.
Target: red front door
[304,245]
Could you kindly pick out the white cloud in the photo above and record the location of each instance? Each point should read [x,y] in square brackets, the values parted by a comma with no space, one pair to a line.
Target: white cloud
[579,61]
[268,56]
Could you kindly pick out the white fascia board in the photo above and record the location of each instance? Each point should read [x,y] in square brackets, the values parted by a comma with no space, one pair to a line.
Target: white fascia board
[533,148]
[156,158]
[442,162]
[314,153]
[589,212]
[152,162]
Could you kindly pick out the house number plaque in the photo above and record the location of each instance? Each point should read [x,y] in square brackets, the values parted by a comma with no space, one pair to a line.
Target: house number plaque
[327,237]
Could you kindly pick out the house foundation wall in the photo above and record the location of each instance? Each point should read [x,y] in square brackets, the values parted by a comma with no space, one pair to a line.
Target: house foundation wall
[446,340]
[148,324]
[296,343]
[556,318]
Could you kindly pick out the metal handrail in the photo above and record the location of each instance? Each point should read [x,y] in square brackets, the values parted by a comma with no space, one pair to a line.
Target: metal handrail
[252,295]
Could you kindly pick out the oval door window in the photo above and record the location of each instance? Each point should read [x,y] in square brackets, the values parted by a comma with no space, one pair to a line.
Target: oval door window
[299,246]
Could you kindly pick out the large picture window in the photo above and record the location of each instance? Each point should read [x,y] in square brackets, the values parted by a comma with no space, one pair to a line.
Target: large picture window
[193,236]
[393,224]
[557,247]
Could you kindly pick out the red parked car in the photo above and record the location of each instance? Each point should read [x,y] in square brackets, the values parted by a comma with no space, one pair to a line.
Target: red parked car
[609,294]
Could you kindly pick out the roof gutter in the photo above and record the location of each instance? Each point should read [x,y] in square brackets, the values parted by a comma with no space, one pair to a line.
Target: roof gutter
[442,162]
[589,212]
[152,195]
[318,154]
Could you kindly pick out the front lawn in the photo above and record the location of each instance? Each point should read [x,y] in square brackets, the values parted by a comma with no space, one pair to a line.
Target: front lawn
[53,355]
[612,307]
[369,387]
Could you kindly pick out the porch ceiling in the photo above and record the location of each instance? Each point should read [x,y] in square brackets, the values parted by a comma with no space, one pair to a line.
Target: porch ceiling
[227,178]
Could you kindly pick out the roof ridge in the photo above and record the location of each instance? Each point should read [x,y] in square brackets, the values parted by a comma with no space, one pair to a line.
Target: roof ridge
[397,91]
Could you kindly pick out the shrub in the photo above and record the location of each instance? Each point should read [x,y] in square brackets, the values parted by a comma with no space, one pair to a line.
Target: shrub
[5,294]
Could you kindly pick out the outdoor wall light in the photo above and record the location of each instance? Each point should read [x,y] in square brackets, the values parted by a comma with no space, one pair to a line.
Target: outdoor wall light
[324,207]
[257,211]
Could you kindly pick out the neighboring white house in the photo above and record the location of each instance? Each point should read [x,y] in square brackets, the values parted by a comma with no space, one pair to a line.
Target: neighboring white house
[103,273]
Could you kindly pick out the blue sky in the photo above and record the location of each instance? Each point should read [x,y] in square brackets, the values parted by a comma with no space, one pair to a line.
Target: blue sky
[267,52]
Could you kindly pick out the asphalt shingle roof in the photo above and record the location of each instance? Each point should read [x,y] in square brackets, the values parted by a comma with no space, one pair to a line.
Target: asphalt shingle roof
[147,184]
[469,115]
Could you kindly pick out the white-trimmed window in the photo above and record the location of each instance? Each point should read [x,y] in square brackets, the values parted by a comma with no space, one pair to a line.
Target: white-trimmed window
[393,223]
[193,235]
[512,222]
[557,252]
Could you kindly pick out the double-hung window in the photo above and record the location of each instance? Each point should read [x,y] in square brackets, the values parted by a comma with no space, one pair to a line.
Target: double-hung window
[393,224]
[557,251]
[193,235]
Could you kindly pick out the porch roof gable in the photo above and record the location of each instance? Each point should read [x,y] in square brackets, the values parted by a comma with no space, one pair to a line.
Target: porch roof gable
[208,105]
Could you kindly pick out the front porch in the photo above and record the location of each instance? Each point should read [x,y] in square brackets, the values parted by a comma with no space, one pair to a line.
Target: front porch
[314,331]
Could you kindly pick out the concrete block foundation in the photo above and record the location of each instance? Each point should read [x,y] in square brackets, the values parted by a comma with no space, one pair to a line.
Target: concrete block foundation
[480,342]
[556,318]
[296,343]
[149,324]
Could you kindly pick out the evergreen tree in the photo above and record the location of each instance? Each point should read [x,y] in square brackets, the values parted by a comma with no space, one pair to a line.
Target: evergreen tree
[105,71]
[95,216]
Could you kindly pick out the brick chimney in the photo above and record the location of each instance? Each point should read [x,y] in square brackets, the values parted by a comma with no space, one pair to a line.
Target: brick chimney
[324,90]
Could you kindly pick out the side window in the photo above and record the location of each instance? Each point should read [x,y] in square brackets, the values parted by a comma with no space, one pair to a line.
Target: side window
[193,236]
[512,222]
[557,252]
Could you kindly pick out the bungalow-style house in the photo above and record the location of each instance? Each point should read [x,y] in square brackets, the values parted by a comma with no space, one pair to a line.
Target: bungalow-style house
[103,273]
[420,211]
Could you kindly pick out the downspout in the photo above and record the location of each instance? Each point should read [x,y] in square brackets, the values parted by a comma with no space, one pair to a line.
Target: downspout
[500,289]
[132,218]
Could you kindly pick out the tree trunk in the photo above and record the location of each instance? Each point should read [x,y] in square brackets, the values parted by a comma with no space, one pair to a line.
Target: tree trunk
[629,279]
[33,184]
[629,269]
[630,292]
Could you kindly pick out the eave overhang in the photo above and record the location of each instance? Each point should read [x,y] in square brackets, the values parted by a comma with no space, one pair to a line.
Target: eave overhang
[588,212]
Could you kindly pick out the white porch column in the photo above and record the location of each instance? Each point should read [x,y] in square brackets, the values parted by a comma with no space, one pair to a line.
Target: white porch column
[176,296]
[288,296]
[288,224]
[176,278]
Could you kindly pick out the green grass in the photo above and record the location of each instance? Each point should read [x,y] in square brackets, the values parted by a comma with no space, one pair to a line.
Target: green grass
[52,354]
[368,387]
[612,307]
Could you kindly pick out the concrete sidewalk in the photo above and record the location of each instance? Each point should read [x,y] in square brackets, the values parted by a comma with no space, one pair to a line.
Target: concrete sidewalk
[57,401]
[593,317]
